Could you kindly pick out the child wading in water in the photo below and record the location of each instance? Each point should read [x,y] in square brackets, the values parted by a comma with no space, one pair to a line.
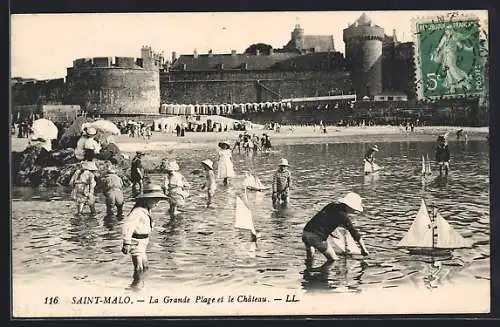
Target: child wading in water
[370,156]
[113,191]
[225,168]
[281,185]
[83,182]
[210,184]
[443,155]
[174,185]
[136,229]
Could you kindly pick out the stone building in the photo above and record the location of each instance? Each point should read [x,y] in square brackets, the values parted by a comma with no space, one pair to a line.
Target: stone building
[309,43]
[363,43]
[116,86]
[307,66]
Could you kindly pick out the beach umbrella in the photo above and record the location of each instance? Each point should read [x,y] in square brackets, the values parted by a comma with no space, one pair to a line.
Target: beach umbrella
[105,126]
[44,128]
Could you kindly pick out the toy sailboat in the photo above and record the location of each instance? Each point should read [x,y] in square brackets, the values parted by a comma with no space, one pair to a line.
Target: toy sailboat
[243,217]
[252,183]
[343,243]
[427,169]
[370,169]
[432,234]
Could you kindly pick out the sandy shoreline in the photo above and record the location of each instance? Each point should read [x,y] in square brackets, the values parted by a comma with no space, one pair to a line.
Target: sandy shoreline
[304,134]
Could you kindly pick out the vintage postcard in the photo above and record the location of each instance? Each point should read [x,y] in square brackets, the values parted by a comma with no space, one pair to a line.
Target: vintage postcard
[250,163]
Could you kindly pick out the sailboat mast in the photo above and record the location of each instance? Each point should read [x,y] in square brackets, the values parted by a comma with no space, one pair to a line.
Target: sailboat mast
[433,227]
[428,168]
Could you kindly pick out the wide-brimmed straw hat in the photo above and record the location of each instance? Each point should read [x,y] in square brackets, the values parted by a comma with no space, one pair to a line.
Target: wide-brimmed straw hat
[352,200]
[172,166]
[283,162]
[89,165]
[222,143]
[208,163]
[91,131]
[152,191]
[374,148]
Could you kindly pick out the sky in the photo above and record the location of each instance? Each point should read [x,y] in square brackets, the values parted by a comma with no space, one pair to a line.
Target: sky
[44,45]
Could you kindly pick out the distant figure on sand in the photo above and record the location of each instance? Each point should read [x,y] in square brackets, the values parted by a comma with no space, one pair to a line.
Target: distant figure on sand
[210,184]
[461,133]
[225,169]
[265,142]
[137,174]
[136,230]
[83,182]
[370,155]
[175,187]
[247,143]
[442,155]
[282,180]
[113,191]
[325,222]
[238,143]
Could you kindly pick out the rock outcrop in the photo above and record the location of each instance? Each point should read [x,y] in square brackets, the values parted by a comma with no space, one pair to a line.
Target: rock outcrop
[36,166]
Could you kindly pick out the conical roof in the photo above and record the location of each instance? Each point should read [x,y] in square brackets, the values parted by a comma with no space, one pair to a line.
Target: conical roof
[363,20]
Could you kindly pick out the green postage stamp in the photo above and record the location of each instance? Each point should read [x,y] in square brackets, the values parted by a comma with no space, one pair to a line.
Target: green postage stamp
[449,56]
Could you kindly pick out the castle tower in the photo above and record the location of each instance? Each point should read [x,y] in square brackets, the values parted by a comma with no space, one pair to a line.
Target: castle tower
[298,37]
[147,57]
[363,43]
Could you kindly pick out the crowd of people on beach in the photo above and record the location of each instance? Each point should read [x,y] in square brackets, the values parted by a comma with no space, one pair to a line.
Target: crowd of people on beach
[175,189]
[136,129]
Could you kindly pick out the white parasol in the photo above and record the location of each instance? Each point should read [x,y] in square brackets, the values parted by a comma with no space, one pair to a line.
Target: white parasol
[45,129]
[105,126]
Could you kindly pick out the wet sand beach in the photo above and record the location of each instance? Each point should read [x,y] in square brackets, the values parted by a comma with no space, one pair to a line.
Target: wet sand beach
[299,135]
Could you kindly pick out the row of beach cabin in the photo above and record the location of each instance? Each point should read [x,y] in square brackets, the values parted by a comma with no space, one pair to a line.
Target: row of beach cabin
[222,109]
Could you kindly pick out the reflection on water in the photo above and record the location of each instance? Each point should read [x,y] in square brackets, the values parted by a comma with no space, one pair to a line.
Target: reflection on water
[201,246]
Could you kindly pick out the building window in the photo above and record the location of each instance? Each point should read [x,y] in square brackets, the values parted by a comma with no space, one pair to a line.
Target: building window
[390,98]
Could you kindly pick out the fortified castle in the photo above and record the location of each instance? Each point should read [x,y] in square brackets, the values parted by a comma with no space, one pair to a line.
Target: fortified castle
[375,66]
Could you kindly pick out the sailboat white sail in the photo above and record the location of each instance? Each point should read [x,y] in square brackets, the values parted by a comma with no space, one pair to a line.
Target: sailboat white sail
[428,170]
[448,237]
[421,234]
[423,165]
[344,243]
[253,183]
[243,216]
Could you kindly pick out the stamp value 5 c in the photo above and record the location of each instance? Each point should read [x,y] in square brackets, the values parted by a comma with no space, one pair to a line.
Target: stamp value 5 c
[449,58]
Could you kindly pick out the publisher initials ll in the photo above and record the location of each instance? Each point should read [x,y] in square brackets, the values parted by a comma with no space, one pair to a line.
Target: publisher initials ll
[291,298]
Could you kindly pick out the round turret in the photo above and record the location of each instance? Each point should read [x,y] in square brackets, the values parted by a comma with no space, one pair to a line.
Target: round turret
[125,86]
[298,37]
[364,54]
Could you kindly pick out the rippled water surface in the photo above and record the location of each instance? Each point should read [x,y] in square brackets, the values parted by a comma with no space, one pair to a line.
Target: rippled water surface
[202,247]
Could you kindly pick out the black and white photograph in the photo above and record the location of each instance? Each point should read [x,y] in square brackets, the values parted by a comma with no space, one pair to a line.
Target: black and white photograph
[175,164]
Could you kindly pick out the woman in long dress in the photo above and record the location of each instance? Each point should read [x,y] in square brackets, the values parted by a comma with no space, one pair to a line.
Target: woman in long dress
[83,182]
[225,167]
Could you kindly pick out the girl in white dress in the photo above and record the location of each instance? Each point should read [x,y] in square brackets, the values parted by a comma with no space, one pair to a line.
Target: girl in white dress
[175,187]
[225,166]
